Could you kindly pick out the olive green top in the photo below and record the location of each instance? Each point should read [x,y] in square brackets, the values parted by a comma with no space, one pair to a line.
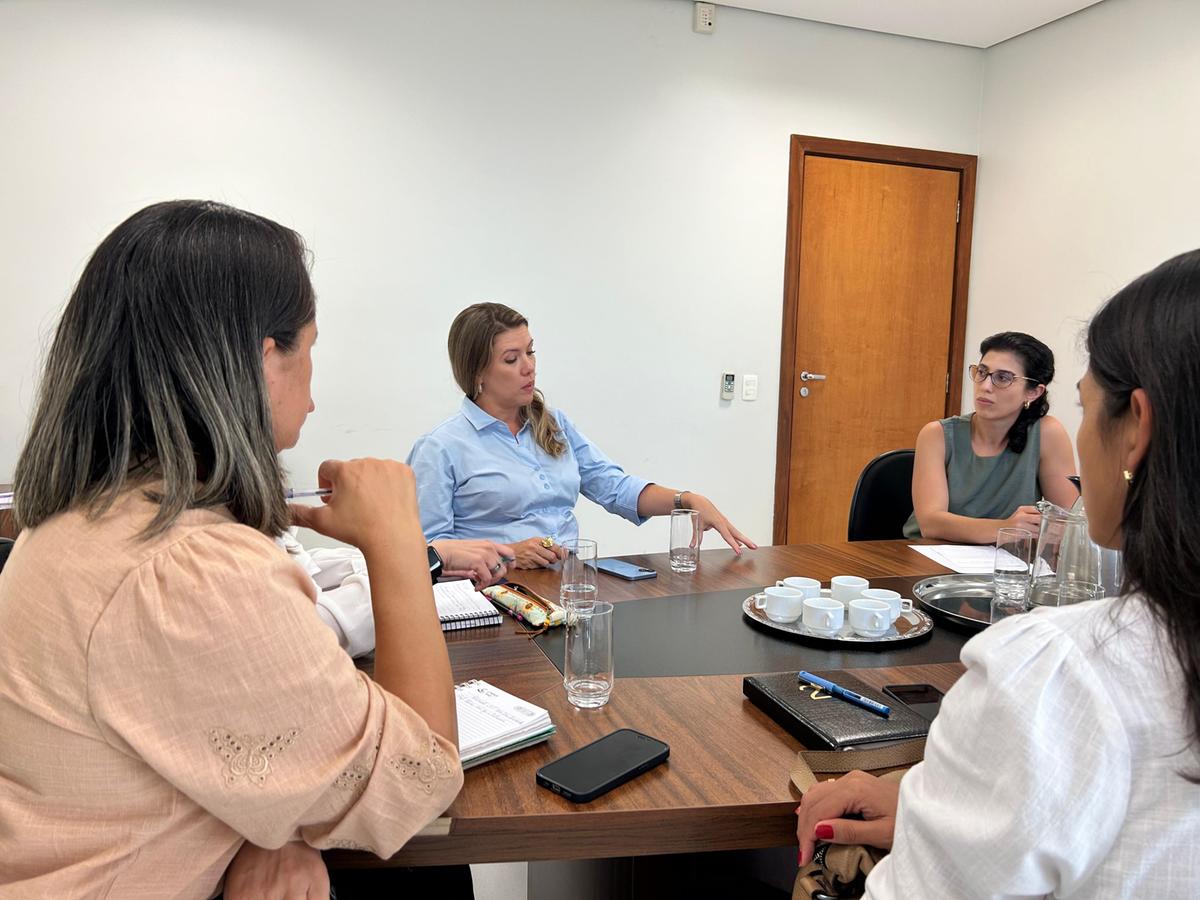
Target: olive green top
[986,487]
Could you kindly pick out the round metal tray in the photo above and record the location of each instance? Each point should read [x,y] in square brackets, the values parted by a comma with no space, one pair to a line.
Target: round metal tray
[961,600]
[909,628]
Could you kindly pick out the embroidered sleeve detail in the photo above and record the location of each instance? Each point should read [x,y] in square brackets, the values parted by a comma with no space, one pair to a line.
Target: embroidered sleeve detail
[343,844]
[249,756]
[425,771]
[355,777]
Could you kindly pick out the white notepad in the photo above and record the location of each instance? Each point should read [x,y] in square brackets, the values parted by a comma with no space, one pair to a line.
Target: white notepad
[492,722]
[459,605]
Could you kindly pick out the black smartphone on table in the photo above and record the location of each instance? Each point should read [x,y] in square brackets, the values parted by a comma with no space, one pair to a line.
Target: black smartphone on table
[602,765]
[625,570]
[923,699]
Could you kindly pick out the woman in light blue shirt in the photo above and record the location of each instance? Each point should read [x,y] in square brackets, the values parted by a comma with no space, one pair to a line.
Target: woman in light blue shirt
[506,467]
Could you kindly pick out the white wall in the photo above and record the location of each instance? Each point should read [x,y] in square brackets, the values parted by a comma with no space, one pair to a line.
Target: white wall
[593,163]
[1088,173]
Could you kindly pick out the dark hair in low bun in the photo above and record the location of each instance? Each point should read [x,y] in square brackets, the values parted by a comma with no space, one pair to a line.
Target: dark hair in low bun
[1038,360]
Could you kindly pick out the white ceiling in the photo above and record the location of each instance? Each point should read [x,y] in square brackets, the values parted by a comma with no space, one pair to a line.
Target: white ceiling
[974,23]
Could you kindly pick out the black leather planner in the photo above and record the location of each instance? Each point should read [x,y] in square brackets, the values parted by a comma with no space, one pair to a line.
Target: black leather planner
[822,722]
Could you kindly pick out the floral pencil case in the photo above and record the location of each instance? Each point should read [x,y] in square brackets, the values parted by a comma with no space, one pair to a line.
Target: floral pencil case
[532,609]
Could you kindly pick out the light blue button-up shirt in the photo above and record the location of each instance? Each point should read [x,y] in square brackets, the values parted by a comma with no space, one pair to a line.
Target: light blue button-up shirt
[476,480]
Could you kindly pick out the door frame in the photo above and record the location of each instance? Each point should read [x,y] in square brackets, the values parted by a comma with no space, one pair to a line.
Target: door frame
[803,146]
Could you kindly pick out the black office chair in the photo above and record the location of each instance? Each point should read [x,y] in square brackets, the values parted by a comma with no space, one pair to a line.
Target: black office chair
[5,547]
[882,498]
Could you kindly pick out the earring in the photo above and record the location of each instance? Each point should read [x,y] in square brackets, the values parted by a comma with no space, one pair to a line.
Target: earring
[479,389]
[1128,475]
[1027,404]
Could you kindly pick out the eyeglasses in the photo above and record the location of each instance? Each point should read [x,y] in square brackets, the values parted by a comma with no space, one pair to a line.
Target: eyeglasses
[1001,378]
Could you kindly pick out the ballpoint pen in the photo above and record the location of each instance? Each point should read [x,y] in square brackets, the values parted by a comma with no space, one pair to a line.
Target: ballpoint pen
[317,492]
[843,694]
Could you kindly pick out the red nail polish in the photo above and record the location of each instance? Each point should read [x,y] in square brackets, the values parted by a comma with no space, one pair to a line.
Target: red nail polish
[823,832]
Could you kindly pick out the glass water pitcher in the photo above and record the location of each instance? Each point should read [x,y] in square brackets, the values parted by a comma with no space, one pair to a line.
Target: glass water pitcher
[1069,566]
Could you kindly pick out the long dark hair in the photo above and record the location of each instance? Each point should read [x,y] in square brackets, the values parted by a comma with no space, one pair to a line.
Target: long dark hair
[470,347]
[155,373]
[1147,337]
[1038,360]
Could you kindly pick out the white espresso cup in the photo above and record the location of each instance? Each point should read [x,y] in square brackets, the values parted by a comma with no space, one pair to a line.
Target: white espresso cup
[809,587]
[781,604]
[870,618]
[891,598]
[847,587]
[823,616]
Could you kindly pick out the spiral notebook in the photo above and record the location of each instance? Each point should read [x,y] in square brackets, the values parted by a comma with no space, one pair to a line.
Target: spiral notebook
[459,605]
[492,722]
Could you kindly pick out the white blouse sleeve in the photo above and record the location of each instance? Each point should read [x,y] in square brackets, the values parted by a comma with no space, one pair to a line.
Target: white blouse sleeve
[1026,777]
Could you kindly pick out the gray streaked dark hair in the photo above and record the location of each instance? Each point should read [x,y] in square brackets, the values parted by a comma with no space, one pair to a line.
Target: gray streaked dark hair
[155,373]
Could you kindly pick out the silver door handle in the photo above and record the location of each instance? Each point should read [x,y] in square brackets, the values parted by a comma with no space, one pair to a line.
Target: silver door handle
[810,376]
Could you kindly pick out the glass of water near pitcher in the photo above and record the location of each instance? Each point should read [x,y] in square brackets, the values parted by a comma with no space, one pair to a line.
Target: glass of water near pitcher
[1068,566]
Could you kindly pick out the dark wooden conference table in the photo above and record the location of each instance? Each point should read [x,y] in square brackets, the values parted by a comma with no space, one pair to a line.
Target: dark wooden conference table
[726,785]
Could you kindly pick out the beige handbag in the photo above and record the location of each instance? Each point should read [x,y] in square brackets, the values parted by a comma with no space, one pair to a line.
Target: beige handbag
[839,871]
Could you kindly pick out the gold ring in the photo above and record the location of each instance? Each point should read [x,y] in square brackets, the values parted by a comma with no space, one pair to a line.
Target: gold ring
[548,543]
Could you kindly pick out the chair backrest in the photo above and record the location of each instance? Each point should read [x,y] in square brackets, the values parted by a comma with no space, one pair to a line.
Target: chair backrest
[5,546]
[882,498]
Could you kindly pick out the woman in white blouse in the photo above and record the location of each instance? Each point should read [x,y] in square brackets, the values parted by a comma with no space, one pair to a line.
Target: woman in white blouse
[1064,762]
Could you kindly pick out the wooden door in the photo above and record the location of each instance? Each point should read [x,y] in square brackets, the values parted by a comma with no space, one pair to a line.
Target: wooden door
[876,296]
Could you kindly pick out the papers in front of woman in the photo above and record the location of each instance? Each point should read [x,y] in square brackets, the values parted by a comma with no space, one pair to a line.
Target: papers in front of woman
[492,722]
[965,559]
[459,605]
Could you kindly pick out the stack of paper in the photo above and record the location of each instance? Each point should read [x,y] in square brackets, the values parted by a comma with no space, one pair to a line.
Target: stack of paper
[459,605]
[492,722]
[966,559]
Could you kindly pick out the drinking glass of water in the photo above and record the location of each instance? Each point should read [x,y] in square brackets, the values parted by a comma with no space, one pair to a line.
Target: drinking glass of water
[588,667]
[578,585]
[1014,551]
[685,540]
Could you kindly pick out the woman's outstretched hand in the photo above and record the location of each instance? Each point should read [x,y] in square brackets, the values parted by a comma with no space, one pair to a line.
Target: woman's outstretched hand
[711,517]
[820,814]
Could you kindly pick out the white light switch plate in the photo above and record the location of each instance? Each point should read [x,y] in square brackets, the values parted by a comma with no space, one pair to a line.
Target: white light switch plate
[749,387]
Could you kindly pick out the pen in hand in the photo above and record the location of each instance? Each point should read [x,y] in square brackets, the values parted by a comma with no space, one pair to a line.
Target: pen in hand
[842,693]
[291,494]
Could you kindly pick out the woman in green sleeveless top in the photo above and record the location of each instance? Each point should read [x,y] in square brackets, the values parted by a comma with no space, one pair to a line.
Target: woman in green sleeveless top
[976,474]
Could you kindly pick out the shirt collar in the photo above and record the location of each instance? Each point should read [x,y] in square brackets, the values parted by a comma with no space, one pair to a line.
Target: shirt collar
[480,419]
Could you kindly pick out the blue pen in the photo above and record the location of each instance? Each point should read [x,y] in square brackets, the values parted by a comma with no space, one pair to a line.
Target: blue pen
[840,692]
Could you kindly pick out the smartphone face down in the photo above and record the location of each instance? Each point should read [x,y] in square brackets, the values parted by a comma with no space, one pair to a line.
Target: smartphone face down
[923,699]
[625,570]
[602,765]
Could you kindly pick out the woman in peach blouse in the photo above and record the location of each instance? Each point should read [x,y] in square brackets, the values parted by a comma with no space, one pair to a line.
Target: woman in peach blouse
[169,698]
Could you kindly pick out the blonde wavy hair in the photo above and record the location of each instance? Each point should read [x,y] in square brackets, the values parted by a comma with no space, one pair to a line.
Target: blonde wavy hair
[470,345]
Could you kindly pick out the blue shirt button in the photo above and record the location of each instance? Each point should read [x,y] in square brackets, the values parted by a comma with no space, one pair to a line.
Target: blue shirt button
[546,486]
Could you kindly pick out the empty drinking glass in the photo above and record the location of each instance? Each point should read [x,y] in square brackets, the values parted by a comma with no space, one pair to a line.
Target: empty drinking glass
[685,540]
[578,584]
[588,667]
[1014,551]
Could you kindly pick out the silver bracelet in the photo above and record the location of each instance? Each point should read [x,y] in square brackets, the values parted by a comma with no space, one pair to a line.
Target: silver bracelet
[679,499]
